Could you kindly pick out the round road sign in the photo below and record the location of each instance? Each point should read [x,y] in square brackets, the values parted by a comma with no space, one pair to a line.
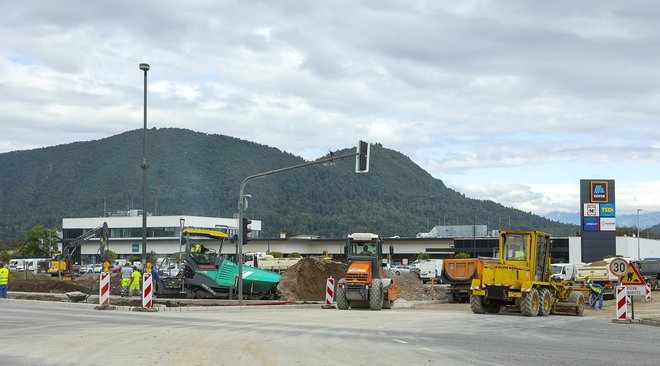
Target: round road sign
[619,267]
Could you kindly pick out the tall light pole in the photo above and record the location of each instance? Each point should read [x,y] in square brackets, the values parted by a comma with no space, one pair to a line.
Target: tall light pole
[638,256]
[144,166]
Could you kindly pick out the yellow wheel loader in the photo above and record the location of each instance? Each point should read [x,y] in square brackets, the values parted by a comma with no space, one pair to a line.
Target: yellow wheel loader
[521,278]
[363,286]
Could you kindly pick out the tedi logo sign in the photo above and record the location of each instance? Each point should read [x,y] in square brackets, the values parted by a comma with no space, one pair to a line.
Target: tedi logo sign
[599,192]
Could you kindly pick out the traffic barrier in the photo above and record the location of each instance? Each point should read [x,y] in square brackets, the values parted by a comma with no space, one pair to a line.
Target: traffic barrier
[146,290]
[104,289]
[621,304]
[329,291]
[648,292]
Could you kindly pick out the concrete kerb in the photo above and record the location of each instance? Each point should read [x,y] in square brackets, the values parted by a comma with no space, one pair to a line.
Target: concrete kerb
[646,321]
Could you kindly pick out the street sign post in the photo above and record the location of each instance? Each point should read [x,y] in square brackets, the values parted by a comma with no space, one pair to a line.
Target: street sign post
[635,285]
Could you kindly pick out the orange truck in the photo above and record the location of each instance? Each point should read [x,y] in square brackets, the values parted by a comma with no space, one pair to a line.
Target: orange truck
[459,273]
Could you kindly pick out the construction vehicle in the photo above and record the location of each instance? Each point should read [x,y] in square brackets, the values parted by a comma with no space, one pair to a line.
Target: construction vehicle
[521,279]
[62,263]
[599,272]
[650,271]
[207,274]
[459,273]
[363,286]
[268,262]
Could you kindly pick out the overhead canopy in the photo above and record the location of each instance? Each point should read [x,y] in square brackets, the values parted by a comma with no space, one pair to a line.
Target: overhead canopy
[213,234]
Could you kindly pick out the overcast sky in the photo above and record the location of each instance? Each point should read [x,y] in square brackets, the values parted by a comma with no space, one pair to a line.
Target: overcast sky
[513,101]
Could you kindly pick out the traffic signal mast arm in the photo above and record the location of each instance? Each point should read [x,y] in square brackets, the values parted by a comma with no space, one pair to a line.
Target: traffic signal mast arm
[362,165]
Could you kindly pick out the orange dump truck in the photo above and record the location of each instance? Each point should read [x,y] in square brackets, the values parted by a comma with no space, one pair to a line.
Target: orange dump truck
[459,273]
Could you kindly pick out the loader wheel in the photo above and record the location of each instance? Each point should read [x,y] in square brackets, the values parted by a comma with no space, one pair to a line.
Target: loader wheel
[529,305]
[342,303]
[577,298]
[545,301]
[451,297]
[376,294]
[476,304]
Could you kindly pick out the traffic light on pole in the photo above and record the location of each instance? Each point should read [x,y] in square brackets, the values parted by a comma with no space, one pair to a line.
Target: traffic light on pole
[362,157]
[246,229]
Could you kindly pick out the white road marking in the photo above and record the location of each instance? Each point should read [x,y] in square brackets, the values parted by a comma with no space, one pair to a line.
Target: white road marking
[400,341]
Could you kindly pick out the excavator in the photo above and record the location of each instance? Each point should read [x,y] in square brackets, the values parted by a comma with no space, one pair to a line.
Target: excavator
[206,274]
[62,263]
[363,286]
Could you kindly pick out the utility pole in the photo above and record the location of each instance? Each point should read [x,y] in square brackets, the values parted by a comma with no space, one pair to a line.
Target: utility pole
[144,166]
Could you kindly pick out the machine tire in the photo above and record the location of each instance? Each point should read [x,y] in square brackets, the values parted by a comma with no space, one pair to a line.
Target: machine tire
[529,305]
[545,302]
[397,273]
[654,285]
[578,299]
[342,303]
[476,304]
[387,304]
[376,294]
[451,297]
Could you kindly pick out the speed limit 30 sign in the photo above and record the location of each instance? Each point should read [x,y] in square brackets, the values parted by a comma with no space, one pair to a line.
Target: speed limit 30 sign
[619,267]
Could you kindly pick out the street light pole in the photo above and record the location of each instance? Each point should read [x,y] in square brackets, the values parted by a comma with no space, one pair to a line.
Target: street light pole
[144,166]
[638,255]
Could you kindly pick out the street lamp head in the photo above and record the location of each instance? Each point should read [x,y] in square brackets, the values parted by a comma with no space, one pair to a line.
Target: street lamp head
[144,67]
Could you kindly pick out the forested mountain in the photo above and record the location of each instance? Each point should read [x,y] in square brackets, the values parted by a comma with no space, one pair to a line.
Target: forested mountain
[192,173]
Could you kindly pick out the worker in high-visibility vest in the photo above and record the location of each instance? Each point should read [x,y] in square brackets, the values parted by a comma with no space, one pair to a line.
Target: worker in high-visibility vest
[135,285]
[4,280]
[126,279]
[596,293]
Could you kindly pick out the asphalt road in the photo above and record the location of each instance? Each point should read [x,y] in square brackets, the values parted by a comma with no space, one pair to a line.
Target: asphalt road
[50,334]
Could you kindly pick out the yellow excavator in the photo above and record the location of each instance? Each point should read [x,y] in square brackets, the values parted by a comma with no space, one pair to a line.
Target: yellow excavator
[521,279]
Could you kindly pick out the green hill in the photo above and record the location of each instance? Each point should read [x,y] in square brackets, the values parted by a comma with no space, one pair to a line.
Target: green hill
[195,173]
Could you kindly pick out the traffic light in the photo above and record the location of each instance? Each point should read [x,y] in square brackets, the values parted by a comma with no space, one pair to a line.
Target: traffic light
[245,230]
[362,157]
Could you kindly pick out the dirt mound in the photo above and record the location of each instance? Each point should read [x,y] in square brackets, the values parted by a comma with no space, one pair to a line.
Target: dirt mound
[306,280]
[88,283]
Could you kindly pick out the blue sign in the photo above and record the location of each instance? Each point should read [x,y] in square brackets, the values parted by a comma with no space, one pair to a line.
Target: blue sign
[591,224]
[136,248]
[607,210]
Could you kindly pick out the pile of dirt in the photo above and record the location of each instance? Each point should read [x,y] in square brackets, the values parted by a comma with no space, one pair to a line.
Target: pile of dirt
[88,283]
[305,280]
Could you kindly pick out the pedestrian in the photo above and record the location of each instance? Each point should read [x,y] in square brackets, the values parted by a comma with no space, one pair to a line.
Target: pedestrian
[126,272]
[4,280]
[135,285]
[596,293]
[154,277]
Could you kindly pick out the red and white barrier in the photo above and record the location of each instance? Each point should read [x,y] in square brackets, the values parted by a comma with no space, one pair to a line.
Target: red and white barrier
[621,303]
[104,289]
[147,290]
[648,291]
[329,291]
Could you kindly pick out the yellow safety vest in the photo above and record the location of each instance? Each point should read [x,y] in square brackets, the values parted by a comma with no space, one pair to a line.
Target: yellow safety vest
[196,249]
[4,276]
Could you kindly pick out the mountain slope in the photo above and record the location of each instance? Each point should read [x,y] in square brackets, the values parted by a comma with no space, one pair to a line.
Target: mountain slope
[194,173]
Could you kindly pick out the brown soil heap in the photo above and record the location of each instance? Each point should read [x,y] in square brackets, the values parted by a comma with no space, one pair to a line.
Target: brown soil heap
[306,281]
[88,283]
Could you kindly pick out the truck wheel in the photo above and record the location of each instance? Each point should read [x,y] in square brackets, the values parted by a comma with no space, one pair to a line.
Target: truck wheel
[545,301]
[476,304]
[529,305]
[451,297]
[578,299]
[342,303]
[654,286]
[376,294]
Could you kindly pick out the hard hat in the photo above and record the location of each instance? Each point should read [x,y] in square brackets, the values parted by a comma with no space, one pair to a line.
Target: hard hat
[587,277]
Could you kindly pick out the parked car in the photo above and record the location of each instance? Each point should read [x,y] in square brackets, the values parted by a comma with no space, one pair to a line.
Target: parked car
[401,269]
[92,268]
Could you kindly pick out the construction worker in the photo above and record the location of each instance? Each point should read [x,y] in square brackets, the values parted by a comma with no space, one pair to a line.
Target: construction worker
[4,280]
[126,272]
[365,250]
[135,285]
[596,293]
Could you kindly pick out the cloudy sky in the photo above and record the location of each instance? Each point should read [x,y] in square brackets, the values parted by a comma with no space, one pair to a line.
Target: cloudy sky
[513,101]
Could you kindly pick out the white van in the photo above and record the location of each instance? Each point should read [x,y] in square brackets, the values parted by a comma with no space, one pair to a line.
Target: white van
[430,269]
[16,264]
